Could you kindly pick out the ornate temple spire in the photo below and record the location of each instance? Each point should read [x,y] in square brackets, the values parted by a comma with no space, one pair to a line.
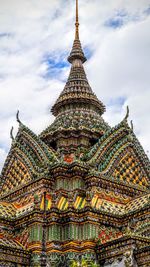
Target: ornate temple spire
[77,90]
[77,52]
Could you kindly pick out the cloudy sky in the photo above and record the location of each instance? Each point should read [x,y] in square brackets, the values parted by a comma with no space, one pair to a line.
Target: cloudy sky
[35,39]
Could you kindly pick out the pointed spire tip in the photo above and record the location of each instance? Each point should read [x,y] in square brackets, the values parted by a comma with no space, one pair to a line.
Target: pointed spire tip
[77,52]
[77,22]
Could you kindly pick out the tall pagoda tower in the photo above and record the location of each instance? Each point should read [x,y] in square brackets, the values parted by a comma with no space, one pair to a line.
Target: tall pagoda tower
[79,193]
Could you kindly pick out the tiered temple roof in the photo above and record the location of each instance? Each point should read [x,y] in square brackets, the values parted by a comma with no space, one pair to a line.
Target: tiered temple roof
[80,191]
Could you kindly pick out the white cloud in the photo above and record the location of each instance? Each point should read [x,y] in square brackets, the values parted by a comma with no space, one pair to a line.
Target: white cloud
[31,30]
[123,71]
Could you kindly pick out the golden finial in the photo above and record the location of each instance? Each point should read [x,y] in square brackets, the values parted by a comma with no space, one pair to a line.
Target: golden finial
[77,21]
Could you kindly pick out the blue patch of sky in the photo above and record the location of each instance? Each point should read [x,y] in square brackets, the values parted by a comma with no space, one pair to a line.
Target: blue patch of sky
[118,20]
[88,52]
[147,11]
[114,23]
[54,66]
[5,34]
[121,17]
[119,101]
[121,13]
